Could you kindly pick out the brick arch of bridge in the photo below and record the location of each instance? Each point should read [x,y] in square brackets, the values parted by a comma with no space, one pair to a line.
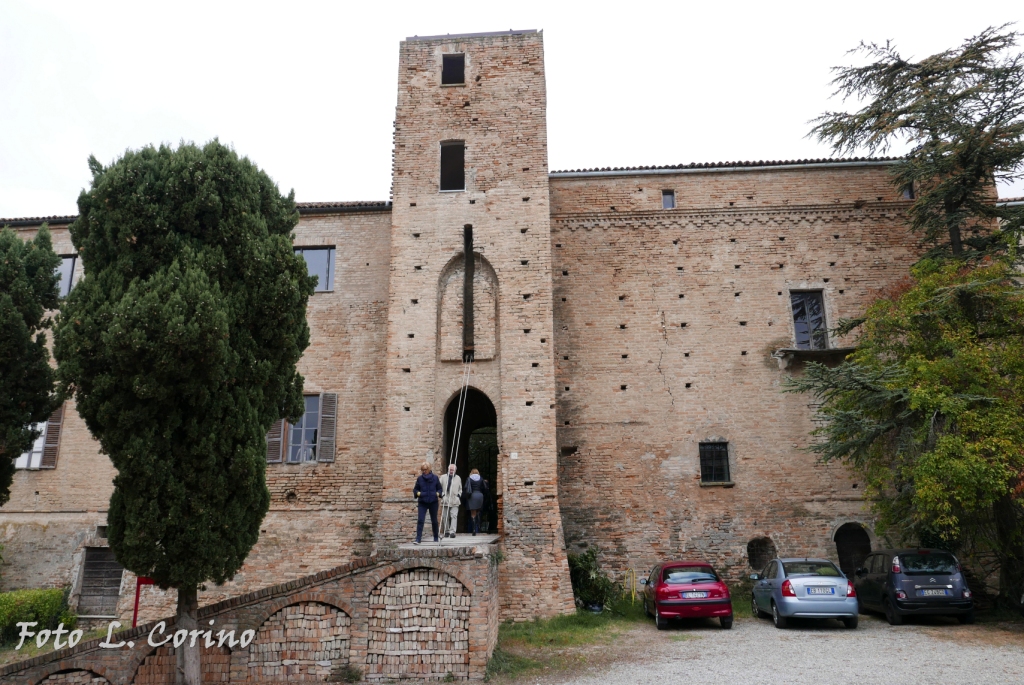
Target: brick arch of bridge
[64,667]
[315,647]
[271,608]
[375,578]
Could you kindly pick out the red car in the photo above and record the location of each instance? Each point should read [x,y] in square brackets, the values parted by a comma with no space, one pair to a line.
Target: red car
[686,589]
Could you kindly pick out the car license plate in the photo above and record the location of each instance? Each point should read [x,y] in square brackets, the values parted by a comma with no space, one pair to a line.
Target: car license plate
[931,593]
[694,595]
[821,591]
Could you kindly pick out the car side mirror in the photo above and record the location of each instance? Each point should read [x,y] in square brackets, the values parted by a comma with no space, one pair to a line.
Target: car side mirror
[643,581]
[861,572]
[755,576]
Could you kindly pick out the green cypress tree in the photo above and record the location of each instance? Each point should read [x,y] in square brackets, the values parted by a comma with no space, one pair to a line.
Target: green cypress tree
[180,345]
[28,288]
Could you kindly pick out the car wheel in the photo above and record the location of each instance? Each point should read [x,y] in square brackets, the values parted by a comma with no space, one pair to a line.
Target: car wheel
[726,622]
[658,620]
[967,619]
[778,619]
[891,614]
[850,622]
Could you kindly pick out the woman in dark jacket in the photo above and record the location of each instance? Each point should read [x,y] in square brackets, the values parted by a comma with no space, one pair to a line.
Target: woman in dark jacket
[427,492]
[476,494]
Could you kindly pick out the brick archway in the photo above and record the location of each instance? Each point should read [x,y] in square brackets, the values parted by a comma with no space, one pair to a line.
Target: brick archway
[418,626]
[75,677]
[302,642]
[158,668]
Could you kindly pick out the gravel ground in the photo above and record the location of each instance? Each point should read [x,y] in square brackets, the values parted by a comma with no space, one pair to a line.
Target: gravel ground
[816,653]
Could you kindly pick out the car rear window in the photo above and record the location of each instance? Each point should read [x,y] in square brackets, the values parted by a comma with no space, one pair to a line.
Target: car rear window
[679,575]
[924,564]
[810,568]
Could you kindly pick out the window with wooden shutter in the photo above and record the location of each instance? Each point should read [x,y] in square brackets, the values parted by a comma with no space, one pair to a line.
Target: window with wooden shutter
[274,440]
[52,442]
[328,426]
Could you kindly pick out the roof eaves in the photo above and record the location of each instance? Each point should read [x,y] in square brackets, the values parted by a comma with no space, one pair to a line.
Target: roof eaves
[712,167]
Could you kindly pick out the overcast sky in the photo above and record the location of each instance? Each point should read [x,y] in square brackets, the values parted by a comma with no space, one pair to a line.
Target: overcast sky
[307,89]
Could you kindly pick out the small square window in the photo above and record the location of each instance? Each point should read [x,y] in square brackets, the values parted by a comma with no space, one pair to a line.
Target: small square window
[302,437]
[67,274]
[453,69]
[908,192]
[809,320]
[453,165]
[668,199]
[714,462]
[320,262]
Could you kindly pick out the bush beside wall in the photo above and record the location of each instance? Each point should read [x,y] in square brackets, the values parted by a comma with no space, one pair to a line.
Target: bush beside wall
[46,607]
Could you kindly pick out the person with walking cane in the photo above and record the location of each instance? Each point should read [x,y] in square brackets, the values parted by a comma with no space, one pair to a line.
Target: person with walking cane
[451,485]
[427,492]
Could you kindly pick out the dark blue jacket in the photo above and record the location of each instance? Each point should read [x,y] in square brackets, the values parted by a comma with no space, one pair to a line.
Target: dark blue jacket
[428,488]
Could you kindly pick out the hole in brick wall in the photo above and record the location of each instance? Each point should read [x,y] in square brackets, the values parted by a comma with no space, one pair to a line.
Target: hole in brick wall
[622,297]
[769,323]
[415,301]
[613,209]
[841,292]
[472,202]
[415,235]
[782,237]
[680,296]
[682,325]
[568,450]
[530,403]
[526,199]
[732,240]
[743,323]
[543,340]
[551,406]
[622,387]
[367,263]
[622,326]
[535,364]
[526,330]
[556,244]
[675,242]
[290,496]
[101,531]
[566,357]
[831,263]
[688,385]
[566,423]
[524,262]
[679,268]
[781,265]
[625,356]
[412,335]
[780,292]
[743,353]
[477,78]
[735,294]
[836,237]
[878,199]
[825,279]
[567,388]
[406,408]
[526,168]
[407,370]
[730,204]
[522,230]
[528,482]
[563,299]
[750,197]
[686,354]
[418,268]
[565,273]
[412,204]
[736,266]
[466,103]
[526,296]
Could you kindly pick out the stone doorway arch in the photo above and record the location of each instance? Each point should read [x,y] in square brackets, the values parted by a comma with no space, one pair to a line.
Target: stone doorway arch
[853,545]
[477,448]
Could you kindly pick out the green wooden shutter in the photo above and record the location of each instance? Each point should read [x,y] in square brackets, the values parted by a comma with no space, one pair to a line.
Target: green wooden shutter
[274,439]
[51,443]
[328,426]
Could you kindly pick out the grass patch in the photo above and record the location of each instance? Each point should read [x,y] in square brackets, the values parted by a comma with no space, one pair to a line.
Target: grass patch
[510,665]
[9,655]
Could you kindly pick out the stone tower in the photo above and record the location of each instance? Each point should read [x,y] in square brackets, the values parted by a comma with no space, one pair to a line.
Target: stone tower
[471,151]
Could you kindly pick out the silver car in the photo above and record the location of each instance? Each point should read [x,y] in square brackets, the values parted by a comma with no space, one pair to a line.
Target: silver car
[803,588]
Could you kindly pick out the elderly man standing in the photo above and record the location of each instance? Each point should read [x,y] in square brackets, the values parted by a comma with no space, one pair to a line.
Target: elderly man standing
[451,486]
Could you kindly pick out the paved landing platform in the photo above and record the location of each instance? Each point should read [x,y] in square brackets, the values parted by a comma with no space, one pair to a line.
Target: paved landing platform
[460,540]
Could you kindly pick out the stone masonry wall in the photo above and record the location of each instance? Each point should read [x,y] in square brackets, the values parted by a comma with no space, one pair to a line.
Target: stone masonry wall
[665,323]
[500,114]
[312,628]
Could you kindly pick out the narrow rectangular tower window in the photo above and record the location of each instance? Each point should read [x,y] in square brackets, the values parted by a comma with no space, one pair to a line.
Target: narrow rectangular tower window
[453,70]
[453,165]
[809,320]
[668,199]
[714,462]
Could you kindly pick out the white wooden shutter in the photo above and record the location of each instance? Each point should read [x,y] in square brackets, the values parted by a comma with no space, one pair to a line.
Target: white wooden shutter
[328,426]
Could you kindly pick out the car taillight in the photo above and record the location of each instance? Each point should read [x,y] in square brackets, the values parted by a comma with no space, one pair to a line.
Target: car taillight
[787,589]
[850,592]
[896,565]
[662,591]
[900,594]
[967,594]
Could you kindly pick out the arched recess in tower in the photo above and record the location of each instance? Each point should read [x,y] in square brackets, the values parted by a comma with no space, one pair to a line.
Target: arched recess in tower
[477,448]
[485,310]
[853,545]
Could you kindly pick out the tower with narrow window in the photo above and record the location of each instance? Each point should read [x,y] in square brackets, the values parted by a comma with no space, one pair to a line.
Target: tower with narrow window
[470,172]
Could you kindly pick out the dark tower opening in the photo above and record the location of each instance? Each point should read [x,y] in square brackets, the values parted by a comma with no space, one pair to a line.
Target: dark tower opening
[853,546]
[477,447]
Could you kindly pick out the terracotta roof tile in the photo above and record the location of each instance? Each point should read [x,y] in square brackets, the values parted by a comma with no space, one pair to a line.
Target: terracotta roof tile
[730,165]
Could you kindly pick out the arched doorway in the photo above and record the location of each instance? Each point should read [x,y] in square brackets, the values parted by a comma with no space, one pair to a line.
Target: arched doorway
[477,448]
[853,546]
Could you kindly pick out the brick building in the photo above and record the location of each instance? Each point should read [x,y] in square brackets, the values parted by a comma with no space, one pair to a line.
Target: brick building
[631,331]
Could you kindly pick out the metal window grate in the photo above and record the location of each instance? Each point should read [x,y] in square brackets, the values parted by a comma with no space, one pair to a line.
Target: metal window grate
[453,69]
[714,462]
[809,320]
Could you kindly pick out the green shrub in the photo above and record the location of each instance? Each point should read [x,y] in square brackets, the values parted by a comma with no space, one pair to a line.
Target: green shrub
[47,607]
[590,583]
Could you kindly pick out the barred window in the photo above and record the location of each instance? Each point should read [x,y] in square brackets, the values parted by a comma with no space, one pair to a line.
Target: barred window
[453,69]
[714,462]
